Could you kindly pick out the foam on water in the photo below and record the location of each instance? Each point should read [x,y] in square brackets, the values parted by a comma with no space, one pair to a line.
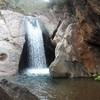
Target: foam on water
[36,72]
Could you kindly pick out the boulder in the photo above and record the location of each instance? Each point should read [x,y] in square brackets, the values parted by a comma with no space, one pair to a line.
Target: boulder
[13,91]
[11,41]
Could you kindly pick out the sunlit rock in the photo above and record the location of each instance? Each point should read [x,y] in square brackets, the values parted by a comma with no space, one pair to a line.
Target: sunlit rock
[11,41]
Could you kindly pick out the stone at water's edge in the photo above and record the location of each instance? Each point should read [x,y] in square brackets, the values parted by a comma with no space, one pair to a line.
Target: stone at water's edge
[4,95]
[11,41]
[12,91]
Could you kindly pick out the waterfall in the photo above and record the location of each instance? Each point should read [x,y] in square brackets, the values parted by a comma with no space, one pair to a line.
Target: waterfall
[37,59]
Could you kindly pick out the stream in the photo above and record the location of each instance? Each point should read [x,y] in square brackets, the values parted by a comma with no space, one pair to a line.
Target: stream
[47,88]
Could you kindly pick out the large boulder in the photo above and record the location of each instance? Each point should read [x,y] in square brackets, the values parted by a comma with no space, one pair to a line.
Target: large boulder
[13,91]
[11,41]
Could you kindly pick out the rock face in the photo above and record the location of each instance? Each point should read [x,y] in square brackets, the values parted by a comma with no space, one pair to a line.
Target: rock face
[77,53]
[12,91]
[86,39]
[66,63]
[11,41]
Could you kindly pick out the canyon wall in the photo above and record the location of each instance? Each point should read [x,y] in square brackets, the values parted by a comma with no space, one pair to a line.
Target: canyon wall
[77,52]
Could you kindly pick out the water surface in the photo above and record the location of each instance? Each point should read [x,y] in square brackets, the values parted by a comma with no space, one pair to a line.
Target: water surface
[47,88]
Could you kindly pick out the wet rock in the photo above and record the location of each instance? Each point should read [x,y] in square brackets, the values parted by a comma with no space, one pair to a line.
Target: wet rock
[12,91]
[11,41]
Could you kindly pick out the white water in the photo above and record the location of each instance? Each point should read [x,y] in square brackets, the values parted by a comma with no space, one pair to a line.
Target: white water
[37,59]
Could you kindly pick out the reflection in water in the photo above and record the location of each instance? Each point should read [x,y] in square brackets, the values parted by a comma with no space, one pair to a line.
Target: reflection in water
[47,88]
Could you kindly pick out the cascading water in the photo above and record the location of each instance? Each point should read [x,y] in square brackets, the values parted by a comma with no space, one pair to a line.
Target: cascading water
[37,59]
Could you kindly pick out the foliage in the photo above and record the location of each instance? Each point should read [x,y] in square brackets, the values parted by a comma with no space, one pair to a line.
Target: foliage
[96,77]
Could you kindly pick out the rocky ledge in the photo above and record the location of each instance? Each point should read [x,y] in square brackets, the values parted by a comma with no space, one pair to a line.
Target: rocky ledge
[12,91]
